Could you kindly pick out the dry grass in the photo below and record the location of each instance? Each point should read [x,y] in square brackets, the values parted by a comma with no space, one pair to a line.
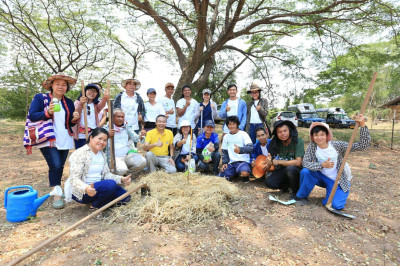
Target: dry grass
[174,200]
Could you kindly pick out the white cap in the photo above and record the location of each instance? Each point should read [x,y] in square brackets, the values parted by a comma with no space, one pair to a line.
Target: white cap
[184,123]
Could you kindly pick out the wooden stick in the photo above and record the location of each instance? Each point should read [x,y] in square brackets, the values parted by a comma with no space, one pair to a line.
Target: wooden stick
[45,243]
[85,110]
[110,103]
[350,145]
[190,152]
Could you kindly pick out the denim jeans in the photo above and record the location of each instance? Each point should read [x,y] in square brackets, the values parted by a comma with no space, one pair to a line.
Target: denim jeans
[79,143]
[180,167]
[309,179]
[253,128]
[215,158]
[106,191]
[55,159]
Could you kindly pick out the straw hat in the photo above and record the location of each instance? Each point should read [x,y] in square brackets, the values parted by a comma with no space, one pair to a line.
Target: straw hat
[325,125]
[254,87]
[258,170]
[137,82]
[60,75]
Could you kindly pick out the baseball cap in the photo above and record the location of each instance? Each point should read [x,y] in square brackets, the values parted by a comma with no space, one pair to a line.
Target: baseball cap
[209,123]
[151,90]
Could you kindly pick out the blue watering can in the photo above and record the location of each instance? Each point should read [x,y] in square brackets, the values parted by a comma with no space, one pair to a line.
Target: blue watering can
[22,204]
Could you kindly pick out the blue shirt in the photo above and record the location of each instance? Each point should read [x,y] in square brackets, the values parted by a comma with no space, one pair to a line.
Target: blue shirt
[207,115]
[202,142]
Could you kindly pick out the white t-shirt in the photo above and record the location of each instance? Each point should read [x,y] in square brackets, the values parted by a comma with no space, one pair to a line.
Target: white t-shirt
[234,105]
[186,146]
[91,119]
[264,150]
[323,155]
[121,142]
[168,103]
[95,168]
[241,139]
[152,111]
[130,107]
[63,140]
[189,113]
[254,116]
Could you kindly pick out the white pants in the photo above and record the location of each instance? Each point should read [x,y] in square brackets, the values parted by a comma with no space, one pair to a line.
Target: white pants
[163,161]
[132,163]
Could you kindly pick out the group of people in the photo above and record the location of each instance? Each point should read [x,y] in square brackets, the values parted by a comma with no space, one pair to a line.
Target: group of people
[175,138]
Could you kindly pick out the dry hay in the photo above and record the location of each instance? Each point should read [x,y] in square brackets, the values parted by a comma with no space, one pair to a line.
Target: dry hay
[174,200]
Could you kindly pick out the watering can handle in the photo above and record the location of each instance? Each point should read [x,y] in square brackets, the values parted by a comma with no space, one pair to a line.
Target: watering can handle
[6,192]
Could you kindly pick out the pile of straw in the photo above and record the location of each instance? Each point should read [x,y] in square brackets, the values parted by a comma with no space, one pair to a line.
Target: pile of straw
[174,200]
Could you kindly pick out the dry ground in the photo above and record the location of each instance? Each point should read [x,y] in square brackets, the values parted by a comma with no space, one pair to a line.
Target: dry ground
[258,231]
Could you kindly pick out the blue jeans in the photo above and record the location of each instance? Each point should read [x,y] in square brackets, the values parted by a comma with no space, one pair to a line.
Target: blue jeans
[55,159]
[235,168]
[79,143]
[308,180]
[180,167]
[215,158]
[253,128]
[106,191]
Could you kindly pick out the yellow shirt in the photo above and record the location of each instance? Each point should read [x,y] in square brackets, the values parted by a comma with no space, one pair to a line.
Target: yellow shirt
[167,138]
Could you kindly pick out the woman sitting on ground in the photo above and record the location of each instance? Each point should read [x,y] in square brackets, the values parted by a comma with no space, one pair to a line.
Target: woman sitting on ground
[182,146]
[90,179]
[323,159]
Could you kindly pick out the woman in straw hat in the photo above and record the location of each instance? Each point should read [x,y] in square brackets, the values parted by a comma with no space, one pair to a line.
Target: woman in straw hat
[257,110]
[132,103]
[323,159]
[59,113]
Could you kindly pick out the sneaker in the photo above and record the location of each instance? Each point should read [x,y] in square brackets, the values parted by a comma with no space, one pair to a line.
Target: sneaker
[245,179]
[58,204]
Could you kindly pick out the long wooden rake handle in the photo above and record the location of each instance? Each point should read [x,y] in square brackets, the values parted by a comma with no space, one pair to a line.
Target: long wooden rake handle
[346,155]
[48,241]
[85,110]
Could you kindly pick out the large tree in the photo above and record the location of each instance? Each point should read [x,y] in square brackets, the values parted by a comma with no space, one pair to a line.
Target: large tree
[198,30]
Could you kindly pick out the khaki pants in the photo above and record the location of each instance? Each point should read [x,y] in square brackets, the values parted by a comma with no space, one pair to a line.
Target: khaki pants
[153,161]
[132,163]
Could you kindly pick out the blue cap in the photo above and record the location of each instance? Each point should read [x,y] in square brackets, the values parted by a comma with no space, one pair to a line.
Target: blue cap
[209,123]
[151,90]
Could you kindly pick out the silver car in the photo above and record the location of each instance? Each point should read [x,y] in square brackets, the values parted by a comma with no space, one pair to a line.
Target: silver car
[284,115]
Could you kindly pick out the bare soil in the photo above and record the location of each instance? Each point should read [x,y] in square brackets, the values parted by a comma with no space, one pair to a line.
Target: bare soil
[257,232]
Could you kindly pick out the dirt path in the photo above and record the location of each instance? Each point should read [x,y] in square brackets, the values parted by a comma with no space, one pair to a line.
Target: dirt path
[258,232]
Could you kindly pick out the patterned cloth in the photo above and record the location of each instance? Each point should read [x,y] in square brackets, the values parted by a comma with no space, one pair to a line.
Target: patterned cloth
[80,161]
[310,160]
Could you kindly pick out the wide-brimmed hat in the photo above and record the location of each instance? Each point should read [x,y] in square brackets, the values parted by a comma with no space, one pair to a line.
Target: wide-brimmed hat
[170,84]
[325,125]
[137,82]
[258,170]
[48,82]
[254,87]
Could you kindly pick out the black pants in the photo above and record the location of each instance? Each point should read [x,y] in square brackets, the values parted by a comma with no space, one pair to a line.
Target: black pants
[284,177]
[174,130]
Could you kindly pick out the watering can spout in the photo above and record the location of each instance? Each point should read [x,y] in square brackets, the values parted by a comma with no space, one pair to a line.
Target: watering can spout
[38,202]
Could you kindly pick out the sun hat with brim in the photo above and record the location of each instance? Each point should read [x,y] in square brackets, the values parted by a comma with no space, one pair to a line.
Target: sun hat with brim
[254,87]
[325,125]
[258,170]
[206,91]
[137,82]
[48,82]
[184,123]
[169,84]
